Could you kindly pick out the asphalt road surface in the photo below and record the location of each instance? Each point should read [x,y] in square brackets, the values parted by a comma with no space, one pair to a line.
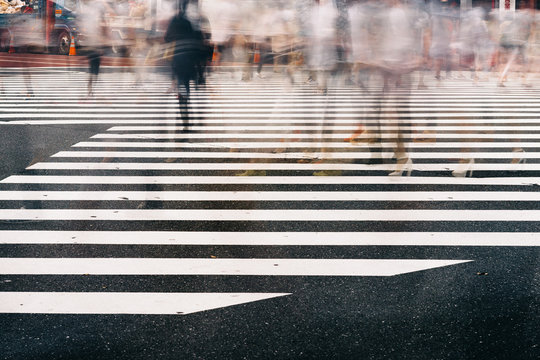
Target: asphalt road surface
[126,235]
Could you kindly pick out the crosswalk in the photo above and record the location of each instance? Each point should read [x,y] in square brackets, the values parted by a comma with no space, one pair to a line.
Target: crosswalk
[147,181]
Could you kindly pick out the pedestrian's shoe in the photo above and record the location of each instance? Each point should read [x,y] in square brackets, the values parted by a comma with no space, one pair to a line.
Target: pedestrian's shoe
[253,173]
[327,173]
[427,139]
[464,170]
[519,157]
[355,135]
[403,165]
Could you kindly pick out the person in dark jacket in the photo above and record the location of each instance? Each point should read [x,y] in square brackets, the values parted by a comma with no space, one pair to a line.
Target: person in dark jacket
[187,45]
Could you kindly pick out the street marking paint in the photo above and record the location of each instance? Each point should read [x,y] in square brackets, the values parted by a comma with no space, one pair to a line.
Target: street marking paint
[123,302]
[425,196]
[268,215]
[307,180]
[271,238]
[288,155]
[275,166]
[218,267]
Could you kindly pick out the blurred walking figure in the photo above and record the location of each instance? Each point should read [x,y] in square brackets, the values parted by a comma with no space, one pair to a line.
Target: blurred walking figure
[92,19]
[359,56]
[322,60]
[515,33]
[201,27]
[442,29]
[187,46]
[397,63]
[322,51]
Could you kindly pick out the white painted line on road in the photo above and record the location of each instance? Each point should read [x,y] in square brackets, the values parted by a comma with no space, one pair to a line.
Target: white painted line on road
[158,115]
[271,238]
[316,136]
[294,144]
[170,118]
[248,102]
[329,126]
[288,155]
[306,180]
[274,166]
[81,108]
[123,302]
[269,196]
[267,215]
[202,266]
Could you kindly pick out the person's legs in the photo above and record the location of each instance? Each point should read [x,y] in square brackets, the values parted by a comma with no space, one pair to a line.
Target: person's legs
[94,60]
[183,96]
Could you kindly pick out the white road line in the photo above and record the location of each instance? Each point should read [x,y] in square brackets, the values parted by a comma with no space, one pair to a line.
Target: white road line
[220,102]
[316,119]
[269,196]
[275,144]
[281,110]
[218,106]
[123,302]
[274,166]
[268,215]
[169,118]
[201,266]
[354,115]
[328,126]
[271,238]
[307,180]
[206,136]
[286,155]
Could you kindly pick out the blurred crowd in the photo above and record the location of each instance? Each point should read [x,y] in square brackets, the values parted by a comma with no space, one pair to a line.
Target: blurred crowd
[384,47]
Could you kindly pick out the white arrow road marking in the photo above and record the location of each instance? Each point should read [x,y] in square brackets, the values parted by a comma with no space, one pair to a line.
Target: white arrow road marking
[268,215]
[270,239]
[199,266]
[123,303]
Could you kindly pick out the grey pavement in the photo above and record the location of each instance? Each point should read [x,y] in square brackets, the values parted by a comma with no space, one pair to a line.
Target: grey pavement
[125,234]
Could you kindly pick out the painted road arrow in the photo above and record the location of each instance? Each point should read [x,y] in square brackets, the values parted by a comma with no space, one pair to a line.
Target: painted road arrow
[198,266]
[178,303]
[123,303]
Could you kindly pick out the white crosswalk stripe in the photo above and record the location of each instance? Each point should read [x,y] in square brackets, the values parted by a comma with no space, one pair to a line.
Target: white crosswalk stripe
[145,181]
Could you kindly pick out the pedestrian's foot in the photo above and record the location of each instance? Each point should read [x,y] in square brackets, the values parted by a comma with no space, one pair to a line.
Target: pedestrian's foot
[354,136]
[519,156]
[327,173]
[253,173]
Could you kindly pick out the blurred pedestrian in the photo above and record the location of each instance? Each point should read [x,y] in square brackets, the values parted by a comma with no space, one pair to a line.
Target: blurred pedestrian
[92,19]
[187,46]
[397,62]
[515,34]
[322,50]
[442,29]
